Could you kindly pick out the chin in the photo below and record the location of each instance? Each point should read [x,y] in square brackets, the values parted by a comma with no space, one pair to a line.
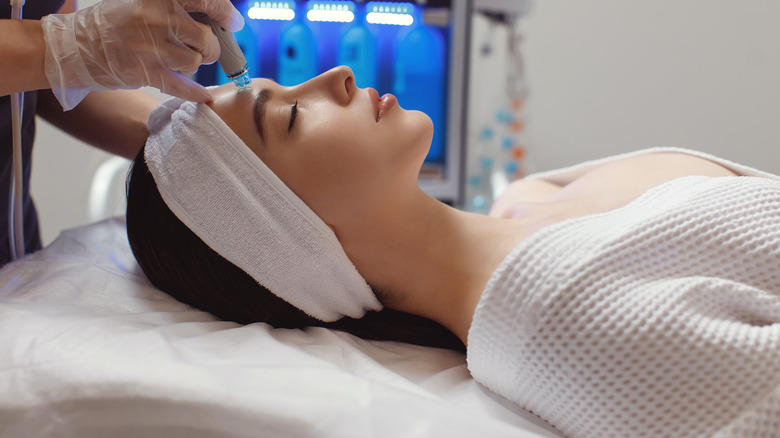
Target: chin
[415,134]
[422,135]
[423,125]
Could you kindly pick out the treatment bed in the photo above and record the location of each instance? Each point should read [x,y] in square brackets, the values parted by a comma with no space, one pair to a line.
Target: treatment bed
[89,348]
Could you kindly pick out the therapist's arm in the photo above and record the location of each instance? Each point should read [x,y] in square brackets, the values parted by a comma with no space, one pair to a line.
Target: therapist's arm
[114,121]
[22,51]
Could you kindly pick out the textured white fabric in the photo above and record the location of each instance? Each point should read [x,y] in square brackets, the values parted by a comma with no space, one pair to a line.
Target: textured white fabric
[229,198]
[658,319]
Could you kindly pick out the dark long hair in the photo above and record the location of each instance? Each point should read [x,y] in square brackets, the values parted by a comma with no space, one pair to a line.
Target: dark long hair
[176,261]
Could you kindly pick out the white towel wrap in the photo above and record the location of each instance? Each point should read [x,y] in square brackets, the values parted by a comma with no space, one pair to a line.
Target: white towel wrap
[229,198]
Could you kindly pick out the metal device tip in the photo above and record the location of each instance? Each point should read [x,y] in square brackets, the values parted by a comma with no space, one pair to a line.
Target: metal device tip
[242,80]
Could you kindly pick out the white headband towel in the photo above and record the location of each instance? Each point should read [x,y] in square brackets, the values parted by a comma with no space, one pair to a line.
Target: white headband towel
[229,198]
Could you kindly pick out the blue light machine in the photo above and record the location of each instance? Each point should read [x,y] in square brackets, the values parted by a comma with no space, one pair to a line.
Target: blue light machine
[415,51]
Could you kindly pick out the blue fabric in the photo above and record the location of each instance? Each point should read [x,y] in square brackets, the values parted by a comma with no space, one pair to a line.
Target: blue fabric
[32,10]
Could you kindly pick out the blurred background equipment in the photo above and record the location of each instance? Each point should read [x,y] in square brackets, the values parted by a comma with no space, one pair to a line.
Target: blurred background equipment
[420,52]
[599,78]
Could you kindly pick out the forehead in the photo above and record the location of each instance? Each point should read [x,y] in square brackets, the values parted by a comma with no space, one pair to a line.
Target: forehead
[235,107]
[227,93]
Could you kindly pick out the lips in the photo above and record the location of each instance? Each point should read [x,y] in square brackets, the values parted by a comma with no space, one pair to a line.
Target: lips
[381,105]
[387,101]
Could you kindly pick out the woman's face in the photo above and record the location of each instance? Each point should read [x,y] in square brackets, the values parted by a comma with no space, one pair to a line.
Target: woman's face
[335,145]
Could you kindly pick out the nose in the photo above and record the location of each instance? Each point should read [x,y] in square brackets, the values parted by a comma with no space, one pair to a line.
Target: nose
[338,83]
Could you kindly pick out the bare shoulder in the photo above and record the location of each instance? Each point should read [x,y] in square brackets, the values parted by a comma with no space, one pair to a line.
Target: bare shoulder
[618,182]
[608,186]
[667,165]
[523,191]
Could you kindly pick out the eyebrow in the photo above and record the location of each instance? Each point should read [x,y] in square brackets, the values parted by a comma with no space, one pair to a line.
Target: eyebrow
[259,111]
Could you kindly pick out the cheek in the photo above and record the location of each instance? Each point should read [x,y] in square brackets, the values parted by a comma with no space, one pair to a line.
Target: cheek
[326,173]
[336,164]
[339,144]
[339,169]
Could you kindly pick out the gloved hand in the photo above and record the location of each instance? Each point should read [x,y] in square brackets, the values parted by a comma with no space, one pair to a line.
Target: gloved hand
[132,43]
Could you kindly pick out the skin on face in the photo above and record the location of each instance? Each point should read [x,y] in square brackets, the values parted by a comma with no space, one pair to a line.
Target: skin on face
[359,175]
[336,156]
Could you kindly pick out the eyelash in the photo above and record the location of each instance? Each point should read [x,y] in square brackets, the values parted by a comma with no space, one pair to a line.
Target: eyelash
[293,115]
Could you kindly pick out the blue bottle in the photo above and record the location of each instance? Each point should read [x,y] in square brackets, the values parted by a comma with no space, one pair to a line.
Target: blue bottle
[419,81]
[357,50]
[297,55]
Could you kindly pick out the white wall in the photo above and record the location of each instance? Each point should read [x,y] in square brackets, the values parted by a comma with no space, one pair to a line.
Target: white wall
[605,75]
[62,171]
[608,76]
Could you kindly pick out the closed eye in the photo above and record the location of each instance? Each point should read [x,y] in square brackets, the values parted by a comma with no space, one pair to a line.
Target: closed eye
[293,116]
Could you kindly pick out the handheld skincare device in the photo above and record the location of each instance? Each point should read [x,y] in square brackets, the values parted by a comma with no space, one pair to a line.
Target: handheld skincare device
[231,58]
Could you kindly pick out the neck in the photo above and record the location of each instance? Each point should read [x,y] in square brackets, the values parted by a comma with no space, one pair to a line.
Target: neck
[430,259]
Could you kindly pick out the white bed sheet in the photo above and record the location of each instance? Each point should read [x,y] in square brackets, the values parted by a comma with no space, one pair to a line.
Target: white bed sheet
[88,348]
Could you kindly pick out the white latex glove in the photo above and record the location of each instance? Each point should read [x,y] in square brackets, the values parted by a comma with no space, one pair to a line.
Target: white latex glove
[133,43]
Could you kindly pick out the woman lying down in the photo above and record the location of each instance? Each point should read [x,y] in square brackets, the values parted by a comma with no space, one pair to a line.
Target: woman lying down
[635,296]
